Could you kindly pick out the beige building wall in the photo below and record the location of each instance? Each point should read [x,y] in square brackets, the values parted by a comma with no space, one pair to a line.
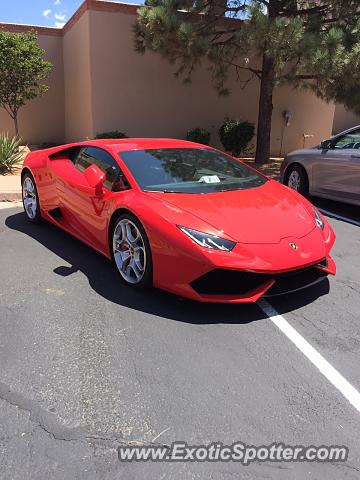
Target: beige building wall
[78,80]
[42,119]
[311,120]
[99,83]
[344,119]
[140,96]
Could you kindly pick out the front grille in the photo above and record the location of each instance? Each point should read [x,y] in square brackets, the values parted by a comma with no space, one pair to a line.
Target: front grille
[291,281]
[234,282]
[228,282]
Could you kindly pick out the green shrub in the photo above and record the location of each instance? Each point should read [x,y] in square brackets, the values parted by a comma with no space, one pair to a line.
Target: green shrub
[198,135]
[45,145]
[114,134]
[236,135]
[10,153]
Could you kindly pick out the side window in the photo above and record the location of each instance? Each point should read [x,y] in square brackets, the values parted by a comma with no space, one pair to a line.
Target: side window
[115,180]
[349,140]
[69,153]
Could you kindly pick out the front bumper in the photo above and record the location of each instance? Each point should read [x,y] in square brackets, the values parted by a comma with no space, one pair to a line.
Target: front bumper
[247,273]
[234,286]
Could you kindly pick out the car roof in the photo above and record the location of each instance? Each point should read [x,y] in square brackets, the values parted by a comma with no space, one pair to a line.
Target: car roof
[126,144]
[349,130]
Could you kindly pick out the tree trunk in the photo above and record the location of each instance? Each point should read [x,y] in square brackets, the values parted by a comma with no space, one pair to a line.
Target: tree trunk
[265,110]
[16,124]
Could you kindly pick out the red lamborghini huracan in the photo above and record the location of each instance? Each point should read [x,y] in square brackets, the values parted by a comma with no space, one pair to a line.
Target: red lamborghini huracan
[181,216]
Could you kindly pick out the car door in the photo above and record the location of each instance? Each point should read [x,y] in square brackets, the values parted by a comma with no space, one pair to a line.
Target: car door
[337,169]
[85,211]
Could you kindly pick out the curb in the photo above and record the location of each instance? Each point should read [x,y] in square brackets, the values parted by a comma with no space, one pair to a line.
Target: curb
[10,197]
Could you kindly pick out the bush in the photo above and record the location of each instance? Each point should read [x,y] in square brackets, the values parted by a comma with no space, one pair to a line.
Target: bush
[236,136]
[45,145]
[114,134]
[198,135]
[10,153]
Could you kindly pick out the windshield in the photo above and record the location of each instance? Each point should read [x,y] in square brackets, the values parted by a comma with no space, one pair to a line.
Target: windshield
[189,170]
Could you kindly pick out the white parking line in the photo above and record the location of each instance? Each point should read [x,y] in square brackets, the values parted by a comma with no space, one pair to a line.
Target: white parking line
[339,217]
[334,377]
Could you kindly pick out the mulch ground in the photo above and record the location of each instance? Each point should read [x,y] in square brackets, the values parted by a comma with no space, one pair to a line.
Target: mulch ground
[271,169]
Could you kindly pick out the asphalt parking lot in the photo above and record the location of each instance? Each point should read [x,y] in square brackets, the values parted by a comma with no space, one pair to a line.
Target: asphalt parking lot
[87,364]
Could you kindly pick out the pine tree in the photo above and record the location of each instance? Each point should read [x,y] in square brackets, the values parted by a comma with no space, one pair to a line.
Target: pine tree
[309,44]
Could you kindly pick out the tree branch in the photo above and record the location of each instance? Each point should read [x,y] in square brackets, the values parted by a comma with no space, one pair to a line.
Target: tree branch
[305,11]
[249,69]
[306,77]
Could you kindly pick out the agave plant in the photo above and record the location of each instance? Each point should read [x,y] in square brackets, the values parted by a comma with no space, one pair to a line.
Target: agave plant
[10,153]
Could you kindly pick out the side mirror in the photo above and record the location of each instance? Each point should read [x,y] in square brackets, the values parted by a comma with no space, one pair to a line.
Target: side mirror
[95,177]
[325,144]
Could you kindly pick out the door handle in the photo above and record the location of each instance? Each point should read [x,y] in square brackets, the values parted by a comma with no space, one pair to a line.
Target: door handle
[355,156]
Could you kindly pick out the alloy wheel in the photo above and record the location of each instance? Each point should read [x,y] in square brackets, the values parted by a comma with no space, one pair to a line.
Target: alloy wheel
[294,180]
[129,251]
[29,198]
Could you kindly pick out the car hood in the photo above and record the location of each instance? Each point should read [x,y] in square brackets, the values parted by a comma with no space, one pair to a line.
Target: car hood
[265,214]
[304,151]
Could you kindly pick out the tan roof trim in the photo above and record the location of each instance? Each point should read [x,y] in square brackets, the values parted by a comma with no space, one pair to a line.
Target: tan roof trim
[18,28]
[75,18]
[102,6]
[94,5]
[97,5]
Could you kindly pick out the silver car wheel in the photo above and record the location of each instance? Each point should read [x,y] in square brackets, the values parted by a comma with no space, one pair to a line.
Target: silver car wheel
[29,198]
[294,180]
[129,251]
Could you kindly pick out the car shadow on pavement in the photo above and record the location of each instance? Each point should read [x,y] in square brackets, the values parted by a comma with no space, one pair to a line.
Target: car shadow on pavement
[348,213]
[106,282]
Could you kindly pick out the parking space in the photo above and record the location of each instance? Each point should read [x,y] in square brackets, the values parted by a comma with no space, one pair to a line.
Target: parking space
[340,211]
[87,363]
[332,321]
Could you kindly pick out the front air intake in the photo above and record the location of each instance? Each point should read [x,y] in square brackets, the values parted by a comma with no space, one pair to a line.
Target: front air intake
[234,282]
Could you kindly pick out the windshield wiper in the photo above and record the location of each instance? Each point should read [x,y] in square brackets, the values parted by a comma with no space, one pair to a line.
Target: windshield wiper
[160,191]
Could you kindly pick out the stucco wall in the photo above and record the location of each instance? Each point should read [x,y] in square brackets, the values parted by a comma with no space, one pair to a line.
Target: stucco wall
[78,79]
[310,116]
[139,94]
[344,119]
[42,119]
[100,83]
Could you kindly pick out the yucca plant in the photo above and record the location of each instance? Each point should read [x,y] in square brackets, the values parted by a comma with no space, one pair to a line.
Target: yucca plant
[10,153]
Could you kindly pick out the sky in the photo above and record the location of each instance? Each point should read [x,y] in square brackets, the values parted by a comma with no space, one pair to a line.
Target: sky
[48,13]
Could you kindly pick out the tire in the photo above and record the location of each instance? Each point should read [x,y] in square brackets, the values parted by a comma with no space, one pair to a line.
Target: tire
[30,198]
[131,252]
[297,179]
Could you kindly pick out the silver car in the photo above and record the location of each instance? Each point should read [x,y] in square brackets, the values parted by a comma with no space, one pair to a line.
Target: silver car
[330,170]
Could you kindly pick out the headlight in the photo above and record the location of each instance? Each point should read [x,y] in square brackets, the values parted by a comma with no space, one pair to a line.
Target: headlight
[208,241]
[319,221]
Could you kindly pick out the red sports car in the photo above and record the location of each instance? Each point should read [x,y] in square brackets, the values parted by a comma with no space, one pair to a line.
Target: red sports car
[181,216]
